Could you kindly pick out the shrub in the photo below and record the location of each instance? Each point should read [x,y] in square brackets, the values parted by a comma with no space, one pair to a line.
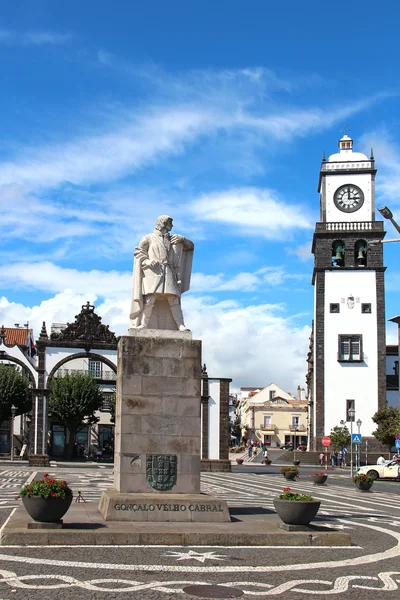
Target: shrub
[47,488]
[295,497]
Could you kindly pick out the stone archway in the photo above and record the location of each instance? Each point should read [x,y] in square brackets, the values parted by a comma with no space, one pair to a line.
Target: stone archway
[89,355]
[31,376]
[92,432]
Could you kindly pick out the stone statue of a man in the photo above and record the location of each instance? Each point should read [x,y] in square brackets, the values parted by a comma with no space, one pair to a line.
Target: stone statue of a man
[161,273]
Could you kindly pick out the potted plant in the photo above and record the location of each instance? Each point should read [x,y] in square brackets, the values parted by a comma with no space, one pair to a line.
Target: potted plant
[363,482]
[319,478]
[239,461]
[296,462]
[290,472]
[296,508]
[46,500]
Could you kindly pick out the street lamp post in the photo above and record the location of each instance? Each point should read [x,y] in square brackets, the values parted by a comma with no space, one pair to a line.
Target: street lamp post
[294,445]
[13,411]
[358,447]
[387,214]
[351,413]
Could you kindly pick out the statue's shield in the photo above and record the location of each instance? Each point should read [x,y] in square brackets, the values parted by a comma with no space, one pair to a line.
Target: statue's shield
[161,471]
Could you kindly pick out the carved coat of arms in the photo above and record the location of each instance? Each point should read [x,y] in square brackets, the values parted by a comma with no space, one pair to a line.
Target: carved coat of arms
[161,471]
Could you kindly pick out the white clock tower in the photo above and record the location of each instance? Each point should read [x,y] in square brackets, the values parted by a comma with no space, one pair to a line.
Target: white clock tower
[348,351]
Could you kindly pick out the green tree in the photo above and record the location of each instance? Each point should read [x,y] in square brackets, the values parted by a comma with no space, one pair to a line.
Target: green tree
[340,437]
[388,421]
[73,401]
[14,389]
[113,401]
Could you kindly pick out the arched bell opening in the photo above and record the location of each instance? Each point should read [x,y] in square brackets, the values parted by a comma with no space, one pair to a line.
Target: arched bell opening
[338,258]
[360,253]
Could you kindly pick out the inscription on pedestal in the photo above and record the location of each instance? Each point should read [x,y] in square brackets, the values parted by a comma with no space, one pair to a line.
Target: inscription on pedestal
[161,471]
[169,507]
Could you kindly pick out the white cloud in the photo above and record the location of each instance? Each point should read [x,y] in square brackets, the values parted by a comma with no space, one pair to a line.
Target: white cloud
[48,277]
[248,343]
[303,252]
[231,107]
[386,154]
[251,209]
[33,38]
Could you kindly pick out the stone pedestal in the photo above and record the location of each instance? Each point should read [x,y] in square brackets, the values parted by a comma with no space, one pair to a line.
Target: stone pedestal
[157,430]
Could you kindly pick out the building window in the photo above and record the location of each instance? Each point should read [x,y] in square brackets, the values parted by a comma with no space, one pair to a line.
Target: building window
[267,419]
[95,368]
[272,394]
[350,348]
[366,308]
[335,308]
[295,421]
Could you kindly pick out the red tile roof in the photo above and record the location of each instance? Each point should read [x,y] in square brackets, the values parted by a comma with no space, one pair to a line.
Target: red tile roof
[17,335]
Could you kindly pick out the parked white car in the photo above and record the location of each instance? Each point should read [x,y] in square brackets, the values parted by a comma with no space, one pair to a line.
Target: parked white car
[390,470]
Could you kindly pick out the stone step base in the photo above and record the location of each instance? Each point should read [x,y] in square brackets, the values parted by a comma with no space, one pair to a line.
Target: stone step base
[84,526]
[216,466]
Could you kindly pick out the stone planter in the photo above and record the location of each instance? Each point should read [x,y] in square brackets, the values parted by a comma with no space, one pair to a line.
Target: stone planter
[319,479]
[46,510]
[290,475]
[364,486]
[293,512]
[239,461]
[296,462]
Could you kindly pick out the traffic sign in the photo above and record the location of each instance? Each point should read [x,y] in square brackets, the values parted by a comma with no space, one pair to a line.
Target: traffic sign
[326,441]
[356,438]
[397,443]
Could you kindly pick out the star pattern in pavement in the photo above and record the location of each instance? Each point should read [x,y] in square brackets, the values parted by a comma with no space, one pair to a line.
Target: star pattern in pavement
[199,556]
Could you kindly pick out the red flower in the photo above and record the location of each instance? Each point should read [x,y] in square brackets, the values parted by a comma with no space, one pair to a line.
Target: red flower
[52,494]
[46,475]
[286,489]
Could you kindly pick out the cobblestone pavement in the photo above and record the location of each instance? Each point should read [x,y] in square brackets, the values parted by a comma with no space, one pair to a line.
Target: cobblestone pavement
[367,570]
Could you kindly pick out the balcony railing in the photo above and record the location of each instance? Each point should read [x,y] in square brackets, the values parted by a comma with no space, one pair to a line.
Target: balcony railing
[107,375]
[349,226]
[268,427]
[294,427]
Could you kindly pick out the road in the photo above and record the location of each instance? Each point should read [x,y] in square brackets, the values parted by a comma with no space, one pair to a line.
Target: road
[370,569]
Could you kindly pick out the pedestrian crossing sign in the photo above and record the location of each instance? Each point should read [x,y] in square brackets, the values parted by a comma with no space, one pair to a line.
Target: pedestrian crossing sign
[356,438]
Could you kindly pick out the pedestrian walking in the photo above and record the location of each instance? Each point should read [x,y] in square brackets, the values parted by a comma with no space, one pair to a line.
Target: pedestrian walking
[333,458]
[339,458]
[344,453]
[321,459]
[249,448]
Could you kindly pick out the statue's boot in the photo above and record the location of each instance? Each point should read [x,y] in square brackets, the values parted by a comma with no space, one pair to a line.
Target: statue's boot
[176,311]
[146,316]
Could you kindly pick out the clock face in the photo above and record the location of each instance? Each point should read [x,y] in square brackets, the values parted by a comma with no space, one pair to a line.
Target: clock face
[348,198]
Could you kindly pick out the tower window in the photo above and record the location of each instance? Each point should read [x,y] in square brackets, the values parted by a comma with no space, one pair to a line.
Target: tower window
[360,253]
[338,253]
[350,348]
[366,308]
[334,308]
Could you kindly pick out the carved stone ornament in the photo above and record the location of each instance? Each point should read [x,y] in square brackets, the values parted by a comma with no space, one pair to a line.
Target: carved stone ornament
[87,327]
[350,302]
[161,471]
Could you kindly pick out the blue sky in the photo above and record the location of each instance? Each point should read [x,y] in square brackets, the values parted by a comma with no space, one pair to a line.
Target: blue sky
[217,113]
